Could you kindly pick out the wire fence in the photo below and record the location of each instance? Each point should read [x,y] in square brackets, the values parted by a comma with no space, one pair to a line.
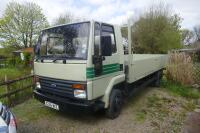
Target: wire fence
[197,72]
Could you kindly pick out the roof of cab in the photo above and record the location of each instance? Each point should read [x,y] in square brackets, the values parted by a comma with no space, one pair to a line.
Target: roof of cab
[75,23]
[66,24]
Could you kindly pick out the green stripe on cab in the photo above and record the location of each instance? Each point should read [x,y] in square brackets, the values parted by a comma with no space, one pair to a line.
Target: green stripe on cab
[107,69]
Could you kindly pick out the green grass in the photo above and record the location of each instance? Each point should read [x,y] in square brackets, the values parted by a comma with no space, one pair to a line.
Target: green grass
[178,89]
[12,73]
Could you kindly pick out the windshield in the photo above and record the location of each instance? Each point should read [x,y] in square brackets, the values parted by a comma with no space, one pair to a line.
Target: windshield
[70,41]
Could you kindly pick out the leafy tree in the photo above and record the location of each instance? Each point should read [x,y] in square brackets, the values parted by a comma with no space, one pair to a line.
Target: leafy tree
[64,19]
[157,31]
[21,24]
[187,37]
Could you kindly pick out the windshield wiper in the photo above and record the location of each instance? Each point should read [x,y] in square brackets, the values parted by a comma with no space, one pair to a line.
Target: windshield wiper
[43,57]
[56,60]
[63,57]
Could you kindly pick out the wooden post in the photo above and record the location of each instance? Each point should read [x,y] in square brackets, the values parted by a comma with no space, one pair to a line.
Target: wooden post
[7,91]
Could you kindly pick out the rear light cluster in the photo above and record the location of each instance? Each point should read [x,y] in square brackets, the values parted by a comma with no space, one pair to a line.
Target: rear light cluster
[13,121]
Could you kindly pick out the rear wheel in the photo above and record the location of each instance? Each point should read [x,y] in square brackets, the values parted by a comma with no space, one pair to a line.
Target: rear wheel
[115,104]
[158,77]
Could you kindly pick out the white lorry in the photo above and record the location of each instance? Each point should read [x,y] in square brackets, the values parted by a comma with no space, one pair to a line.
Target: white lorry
[84,66]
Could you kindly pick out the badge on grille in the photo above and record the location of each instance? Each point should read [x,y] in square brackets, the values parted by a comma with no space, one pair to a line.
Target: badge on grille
[53,85]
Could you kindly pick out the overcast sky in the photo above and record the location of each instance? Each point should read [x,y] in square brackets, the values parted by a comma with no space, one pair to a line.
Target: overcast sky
[114,11]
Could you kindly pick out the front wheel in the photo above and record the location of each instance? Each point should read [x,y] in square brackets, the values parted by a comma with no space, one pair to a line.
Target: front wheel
[115,104]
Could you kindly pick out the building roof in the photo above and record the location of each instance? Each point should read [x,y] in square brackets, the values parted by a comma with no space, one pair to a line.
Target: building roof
[26,50]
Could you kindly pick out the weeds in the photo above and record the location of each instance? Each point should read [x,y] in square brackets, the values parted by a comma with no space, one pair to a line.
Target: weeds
[180,69]
[141,116]
[165,112]
[168,112]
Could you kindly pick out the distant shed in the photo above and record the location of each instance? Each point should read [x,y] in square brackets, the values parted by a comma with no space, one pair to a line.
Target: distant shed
[25,50]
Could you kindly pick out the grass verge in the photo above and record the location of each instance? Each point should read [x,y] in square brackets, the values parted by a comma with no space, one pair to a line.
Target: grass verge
[178,89]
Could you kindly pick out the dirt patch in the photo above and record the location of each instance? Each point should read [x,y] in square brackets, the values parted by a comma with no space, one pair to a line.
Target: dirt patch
[152,110]
[192,123]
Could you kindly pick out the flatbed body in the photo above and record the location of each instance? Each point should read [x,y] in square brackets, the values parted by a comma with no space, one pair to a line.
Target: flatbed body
[142,65]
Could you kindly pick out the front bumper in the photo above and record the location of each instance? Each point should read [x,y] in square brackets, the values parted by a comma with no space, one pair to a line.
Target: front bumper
[68,103]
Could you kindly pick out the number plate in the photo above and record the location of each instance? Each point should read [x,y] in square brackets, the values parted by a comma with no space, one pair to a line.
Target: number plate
[51,105]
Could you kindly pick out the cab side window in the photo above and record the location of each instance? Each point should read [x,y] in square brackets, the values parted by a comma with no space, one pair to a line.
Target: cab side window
[107,30]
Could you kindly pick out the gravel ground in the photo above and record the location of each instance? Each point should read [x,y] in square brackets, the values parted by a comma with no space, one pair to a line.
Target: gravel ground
[152,110]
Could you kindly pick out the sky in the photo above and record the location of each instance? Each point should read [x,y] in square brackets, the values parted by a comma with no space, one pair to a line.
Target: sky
[114,11]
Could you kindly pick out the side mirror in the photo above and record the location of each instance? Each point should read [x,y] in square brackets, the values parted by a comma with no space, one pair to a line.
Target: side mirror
[36,49]
[106,45]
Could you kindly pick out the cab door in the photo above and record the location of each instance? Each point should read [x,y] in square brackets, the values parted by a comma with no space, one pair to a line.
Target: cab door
[106,57]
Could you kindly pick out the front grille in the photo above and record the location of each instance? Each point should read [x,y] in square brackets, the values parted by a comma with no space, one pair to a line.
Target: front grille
[57,87]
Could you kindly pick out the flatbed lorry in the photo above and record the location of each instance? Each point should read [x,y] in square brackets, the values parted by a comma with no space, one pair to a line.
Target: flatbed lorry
[84,66]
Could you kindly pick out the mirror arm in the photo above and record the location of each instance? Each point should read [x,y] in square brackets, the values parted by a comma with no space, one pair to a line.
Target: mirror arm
[103,58]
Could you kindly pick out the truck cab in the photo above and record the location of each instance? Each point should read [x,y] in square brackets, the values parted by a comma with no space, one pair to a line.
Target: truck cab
[82,65]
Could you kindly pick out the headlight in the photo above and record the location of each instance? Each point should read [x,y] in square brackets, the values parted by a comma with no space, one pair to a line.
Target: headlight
[80,93]
[38,85]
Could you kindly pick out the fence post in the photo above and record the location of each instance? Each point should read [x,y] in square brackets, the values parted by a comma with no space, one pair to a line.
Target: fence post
[7,91]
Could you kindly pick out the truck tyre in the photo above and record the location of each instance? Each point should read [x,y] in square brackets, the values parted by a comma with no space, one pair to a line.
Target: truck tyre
[115,104]
[158,77]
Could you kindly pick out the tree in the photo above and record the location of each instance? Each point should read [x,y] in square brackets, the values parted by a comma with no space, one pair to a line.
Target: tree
[21,24]
[64,19]
[157,31]
[197,33]
[68,17]
[187,37]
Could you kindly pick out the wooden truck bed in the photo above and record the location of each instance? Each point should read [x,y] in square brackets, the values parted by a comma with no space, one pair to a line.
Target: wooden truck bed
[142,65]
